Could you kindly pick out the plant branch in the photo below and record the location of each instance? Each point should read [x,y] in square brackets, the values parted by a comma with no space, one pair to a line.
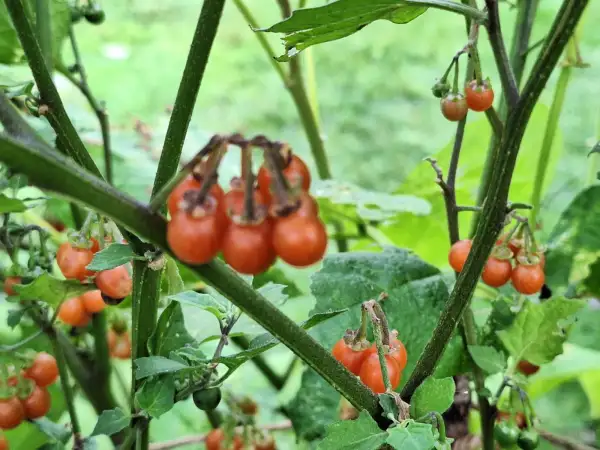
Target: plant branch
[189,440]
[15,125]
[67,392]
[507,77]
[56,114]
[56,173]
[191,79]
[102,365]
[99,108]
[43,22]
[494,209]
[563,442]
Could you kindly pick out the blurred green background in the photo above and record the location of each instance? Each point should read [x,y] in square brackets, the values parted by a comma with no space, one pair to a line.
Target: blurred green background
[378,118]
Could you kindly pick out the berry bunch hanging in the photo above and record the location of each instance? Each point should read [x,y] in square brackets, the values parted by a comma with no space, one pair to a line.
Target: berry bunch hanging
[515,258]
[256,220]
[23,391]
[361,357]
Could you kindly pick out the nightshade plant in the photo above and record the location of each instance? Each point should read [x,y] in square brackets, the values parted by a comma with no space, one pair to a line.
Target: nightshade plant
[121,292]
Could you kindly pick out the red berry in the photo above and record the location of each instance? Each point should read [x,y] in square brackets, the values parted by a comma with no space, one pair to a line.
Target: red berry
[37,404]
[527,368]
[459,253]
[496,272]
[248,248]
[44,370]
[11,413]
[349,358]
[479,97]
[370,373]
[528,279]
[454,107]
[195,240]
[9,282]
[114,283]
[72,261]
[300,240]
[189,184]
[296,172]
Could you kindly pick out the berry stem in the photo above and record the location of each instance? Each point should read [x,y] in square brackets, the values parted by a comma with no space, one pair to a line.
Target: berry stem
[210,175]
[456,75]
[249,208]
[382,336]
[280,185]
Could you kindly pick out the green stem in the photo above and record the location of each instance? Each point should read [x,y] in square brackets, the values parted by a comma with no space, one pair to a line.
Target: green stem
[145,298]
[67,392]
[544,155]
[43,22]
[102,365]
[191,79]
[510,88]
[380,332]
[214,418]
[57,115]
[518,57]
[99,109]
[56,173]
[494,209]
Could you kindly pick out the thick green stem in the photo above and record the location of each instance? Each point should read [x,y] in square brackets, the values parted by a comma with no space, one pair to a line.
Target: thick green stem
[67,391]
[544,155]
[57,115]
[145,297]
[191,79]
[518,57]
[56,173]
[494,209]
[102,365]
[43,22]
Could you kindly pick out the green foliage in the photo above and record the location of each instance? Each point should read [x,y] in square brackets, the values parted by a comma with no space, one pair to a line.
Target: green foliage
[360,434]
[11,205]
[575,235]
[217,305]
[173,277]
[170,333]
[488,358]
[113,256]
[157,395]
[411,436]
[432,395]
[157,365]
[339,19]
[539,330]
[10,48]
[111,422]
[416,294]
[51,290]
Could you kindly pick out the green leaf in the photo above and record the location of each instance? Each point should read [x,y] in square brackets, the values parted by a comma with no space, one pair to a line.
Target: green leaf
[539,330]
[368,205]
[360,434]
[14,317]
[53,430]
[595,149]
[174,281]
[267,341]
[111,421]
[11,205]
[575,234]
[488,358]
[170,333]
[216,305]
[432,395]
[157,395]
[411,436]
[338,19]
[416,295]
[156,365]
[51,290]
[277,276]
[60,19]
[114,255]
[592,281]
[590,382]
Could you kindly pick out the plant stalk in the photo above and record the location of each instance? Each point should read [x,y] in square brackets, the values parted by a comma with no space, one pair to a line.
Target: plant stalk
[191,79]
[43,22]
[494,209]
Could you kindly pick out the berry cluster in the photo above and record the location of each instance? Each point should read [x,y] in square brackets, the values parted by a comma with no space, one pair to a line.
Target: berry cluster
[362,359]
[113,284]
[24,394]
[253,223]
[510,260]
[119,343]
[478,96]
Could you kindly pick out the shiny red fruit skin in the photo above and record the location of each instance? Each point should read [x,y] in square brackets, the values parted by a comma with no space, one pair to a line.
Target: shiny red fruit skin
[350,359]
[115,283]
[397,351]
[72,261]
[459,253]
[44,370]
[11,413]
[454,107]
[496,272]
[195,240]
[370,373]
[3,442]
[528,279]
[299,240]
[248,248]
[295,172]
[189,184]
[479,97]
[37,404]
